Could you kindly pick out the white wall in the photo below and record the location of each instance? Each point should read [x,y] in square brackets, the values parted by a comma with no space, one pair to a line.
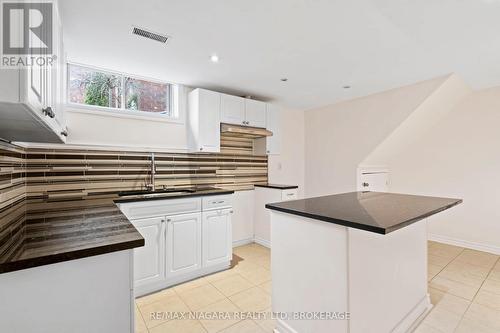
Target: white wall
[340,136]
[94,129]
[459,158]
[104,128]
[433,109]
[288,167]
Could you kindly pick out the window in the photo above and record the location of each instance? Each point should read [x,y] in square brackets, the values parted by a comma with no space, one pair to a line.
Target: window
[119,92]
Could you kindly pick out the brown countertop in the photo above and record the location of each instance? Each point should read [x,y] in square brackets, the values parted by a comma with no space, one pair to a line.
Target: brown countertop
[56,231]
[55,234]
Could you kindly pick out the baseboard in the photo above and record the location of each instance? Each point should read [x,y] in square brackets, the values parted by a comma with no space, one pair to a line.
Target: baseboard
[242,242]
[262,242]
[257,240]
[282,327]
[463,243]
[415,317]
[154,287]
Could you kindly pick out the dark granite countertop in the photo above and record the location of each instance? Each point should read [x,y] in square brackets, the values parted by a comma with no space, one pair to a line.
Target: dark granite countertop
[371,211]
[62,231]
[173,195]
[277,186]
[57,231]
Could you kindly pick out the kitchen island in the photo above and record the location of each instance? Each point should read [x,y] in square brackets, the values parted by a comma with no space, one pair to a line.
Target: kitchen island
[353,262]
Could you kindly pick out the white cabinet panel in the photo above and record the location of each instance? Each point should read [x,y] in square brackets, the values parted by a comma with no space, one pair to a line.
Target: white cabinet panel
[232,109]
[263,196]
[204,121]
[273,143]
[217,202]
[287,195]
[255,113]
[156,208]
[217,244]
[149,260]
[183,244]
[242,219]
[37,114]
[209,121]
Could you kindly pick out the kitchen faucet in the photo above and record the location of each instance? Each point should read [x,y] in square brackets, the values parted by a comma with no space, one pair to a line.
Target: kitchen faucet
[151,185]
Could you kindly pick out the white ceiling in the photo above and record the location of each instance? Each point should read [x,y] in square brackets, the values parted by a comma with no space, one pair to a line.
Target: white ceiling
[319,45]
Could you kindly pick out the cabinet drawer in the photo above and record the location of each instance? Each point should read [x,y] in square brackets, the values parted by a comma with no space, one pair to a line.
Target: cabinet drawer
[288,195]
[153,208]
[216,202]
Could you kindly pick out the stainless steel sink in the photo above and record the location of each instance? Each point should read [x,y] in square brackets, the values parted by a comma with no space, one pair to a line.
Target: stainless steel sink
[151,194]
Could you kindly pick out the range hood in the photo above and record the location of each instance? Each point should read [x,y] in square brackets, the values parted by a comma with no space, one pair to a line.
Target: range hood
[245,131]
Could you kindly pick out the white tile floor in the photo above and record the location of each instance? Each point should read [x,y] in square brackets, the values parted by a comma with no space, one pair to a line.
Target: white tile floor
[464,287]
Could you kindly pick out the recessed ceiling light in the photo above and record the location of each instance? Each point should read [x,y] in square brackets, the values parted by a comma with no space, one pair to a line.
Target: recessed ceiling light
[346,87]
[284,79]
[214,58]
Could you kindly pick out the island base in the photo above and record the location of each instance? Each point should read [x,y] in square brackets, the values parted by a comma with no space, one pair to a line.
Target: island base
[322,269]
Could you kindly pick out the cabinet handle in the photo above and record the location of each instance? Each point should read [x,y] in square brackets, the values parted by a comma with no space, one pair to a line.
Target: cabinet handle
[231,211]
[48,112]
[162,221]
[64,133]
[217,202]
[290,194]
[268,151]
[169,220]
[201,148]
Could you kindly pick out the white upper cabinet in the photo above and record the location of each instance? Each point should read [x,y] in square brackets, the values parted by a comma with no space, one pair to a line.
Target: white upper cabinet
[242,111]
[32,108]
[270,145]
[273,143]
[255,113]
[204,121]
[232,109]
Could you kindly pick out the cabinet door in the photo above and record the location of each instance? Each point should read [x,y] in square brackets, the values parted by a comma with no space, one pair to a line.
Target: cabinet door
[36,76]
[149,260]
[255,113]
[273,143]
[217,239]
[183,244]
[209,114]
[232,109]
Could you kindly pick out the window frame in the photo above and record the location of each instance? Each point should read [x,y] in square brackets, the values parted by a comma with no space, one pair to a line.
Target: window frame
[174,92]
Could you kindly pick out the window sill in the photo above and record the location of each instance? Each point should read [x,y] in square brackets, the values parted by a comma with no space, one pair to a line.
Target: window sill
[109,112]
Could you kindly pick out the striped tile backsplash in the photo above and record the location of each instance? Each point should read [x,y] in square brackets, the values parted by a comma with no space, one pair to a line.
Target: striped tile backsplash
[64,176]
[12,198]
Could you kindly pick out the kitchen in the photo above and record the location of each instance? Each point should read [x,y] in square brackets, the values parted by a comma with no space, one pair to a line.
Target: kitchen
[173,165]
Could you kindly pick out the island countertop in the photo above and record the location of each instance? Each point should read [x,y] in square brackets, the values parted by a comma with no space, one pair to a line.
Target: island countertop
[371,211]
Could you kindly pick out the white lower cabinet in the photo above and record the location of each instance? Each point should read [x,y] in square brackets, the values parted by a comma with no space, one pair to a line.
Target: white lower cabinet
[217,240]
[183,244]
[262,222]
[180,246]
[149,260]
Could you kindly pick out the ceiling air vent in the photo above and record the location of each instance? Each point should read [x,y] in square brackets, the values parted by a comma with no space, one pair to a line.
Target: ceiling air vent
[149,34]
